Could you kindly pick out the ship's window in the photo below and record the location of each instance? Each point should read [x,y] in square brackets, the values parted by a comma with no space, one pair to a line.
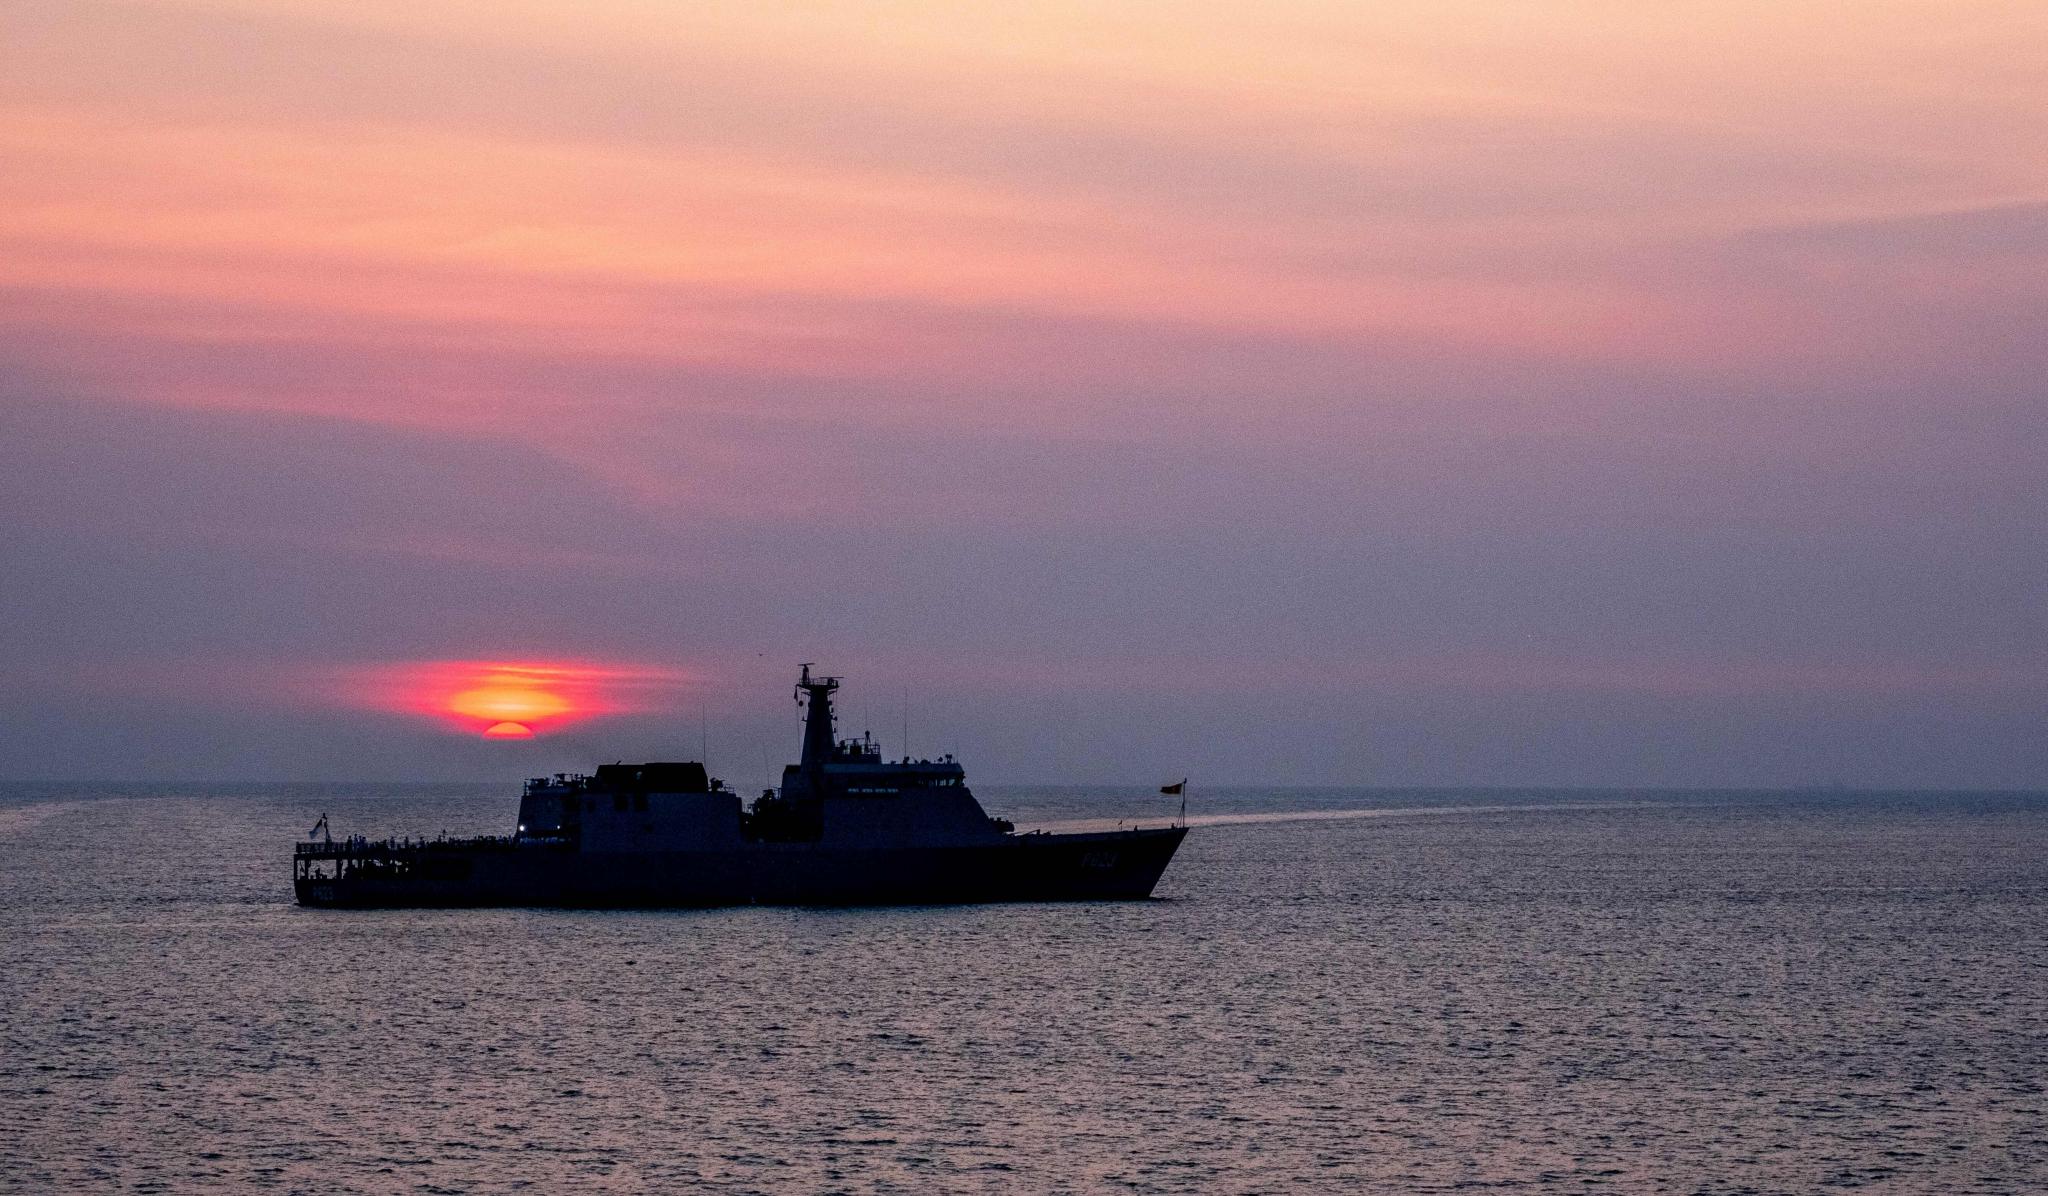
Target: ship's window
[640,802]
[619,802]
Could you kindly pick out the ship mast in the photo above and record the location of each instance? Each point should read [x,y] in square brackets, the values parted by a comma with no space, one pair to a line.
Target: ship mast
[816,698]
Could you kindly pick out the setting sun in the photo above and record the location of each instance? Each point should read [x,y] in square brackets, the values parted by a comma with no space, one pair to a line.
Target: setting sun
[501,699]
[510,699]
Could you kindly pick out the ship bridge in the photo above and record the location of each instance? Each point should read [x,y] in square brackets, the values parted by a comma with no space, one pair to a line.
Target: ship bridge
[831,765]
[846,790]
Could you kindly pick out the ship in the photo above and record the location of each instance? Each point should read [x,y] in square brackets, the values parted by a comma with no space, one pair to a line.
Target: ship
[846,827]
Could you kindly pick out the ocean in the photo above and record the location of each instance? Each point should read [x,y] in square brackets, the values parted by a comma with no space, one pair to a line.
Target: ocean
[1333,990]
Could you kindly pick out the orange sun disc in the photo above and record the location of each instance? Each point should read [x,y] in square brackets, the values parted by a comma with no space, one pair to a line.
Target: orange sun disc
[509,703]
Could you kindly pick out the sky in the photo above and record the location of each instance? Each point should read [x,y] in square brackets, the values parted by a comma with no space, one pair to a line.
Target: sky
[1471,393]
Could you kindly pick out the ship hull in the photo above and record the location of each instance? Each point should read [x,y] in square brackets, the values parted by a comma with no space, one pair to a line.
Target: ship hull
[1108,866]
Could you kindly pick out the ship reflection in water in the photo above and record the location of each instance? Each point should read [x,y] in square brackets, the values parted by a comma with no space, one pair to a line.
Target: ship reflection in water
[847,827]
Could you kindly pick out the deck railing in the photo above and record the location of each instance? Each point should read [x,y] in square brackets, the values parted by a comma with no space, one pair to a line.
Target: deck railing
[348,848]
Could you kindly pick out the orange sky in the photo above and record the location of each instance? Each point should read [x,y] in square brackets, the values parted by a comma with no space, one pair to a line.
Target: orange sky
[473,696]
[789,190]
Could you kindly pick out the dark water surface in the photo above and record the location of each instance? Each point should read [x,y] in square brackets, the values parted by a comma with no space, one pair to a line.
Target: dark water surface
[1405,992]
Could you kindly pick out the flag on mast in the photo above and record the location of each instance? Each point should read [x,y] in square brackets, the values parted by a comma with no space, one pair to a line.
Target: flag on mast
[1179,787]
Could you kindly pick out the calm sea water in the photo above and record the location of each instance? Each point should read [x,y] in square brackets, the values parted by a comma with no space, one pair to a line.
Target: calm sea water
[1405,992]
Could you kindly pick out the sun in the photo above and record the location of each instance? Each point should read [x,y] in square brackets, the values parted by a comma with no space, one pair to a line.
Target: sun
[505,699]
[509,698]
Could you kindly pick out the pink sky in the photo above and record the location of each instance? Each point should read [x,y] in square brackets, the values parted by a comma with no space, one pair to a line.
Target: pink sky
[1558,356]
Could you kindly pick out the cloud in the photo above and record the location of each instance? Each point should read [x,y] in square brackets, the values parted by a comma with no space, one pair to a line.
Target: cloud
[1998,232]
